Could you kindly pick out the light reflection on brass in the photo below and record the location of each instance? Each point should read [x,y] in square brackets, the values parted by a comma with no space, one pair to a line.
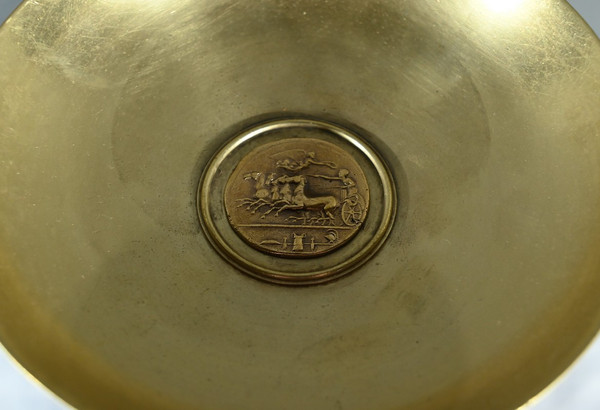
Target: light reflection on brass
[509,7]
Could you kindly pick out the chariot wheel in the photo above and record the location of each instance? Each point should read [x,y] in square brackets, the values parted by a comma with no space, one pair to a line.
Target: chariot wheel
[353,211]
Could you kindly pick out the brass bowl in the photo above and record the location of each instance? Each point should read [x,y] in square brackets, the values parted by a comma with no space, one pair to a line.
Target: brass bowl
[479,291]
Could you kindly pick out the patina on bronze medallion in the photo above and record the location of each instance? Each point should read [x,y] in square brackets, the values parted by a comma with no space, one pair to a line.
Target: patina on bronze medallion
[297,197]
[296,201]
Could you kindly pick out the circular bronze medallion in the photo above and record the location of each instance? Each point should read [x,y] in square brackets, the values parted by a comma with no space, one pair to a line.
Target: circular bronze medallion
[297,197]
[296,201]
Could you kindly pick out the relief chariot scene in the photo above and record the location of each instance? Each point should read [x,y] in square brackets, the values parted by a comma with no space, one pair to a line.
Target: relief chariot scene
[297,197]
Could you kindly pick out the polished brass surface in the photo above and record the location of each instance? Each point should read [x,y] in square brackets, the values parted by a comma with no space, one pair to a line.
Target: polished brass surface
[484,112]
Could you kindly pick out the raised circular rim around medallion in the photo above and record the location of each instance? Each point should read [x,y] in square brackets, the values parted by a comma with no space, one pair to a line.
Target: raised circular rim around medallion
[287,268]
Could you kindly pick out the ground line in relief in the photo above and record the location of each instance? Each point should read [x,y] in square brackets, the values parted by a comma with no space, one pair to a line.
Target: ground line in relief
[294,226]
